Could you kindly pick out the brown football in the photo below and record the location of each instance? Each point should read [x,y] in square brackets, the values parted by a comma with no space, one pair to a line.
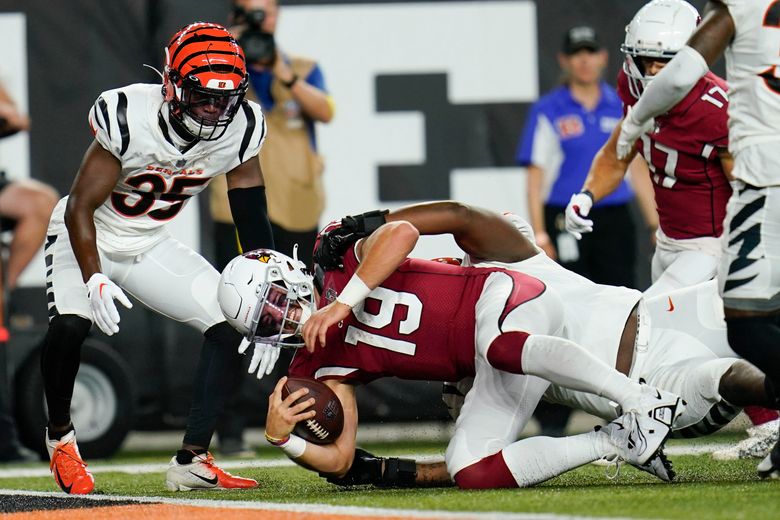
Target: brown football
[326,425]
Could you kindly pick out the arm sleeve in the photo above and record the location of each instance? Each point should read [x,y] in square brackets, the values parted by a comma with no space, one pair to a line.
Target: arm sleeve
[250,214]
[671,85]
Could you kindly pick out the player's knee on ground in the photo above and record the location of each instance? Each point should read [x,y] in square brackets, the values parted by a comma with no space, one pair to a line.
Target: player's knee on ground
[743,385]
[506,351]
[488,473]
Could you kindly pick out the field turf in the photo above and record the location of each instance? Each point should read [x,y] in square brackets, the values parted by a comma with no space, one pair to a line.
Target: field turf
[704,489]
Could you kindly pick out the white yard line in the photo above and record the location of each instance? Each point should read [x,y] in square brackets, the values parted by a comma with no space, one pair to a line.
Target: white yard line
[313,509]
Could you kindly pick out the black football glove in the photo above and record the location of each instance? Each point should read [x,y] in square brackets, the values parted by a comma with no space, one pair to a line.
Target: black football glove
[367,469]
[332,244]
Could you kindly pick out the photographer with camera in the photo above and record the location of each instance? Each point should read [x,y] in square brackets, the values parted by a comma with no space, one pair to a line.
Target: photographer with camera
[291,91]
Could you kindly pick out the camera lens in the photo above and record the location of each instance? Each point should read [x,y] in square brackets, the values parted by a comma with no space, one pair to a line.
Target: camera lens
[259,47]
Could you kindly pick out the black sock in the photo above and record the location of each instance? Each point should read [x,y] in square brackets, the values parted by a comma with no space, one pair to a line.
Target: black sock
[757,339]
[769,387]
[58,435]
[60,359]
[186,456]
[219,370]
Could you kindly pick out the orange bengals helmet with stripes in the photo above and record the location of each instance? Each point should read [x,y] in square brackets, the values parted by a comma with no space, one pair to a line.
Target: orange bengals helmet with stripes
[205,78]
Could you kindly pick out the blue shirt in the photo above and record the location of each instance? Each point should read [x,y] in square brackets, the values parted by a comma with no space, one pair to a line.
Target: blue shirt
[261,83]
[562,137]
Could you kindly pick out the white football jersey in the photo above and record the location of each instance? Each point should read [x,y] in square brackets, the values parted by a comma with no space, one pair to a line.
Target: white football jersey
[595,315]
[754,97]
[158,179]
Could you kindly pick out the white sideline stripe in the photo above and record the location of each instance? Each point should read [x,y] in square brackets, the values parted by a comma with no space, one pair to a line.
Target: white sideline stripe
[154,467]
[313,509]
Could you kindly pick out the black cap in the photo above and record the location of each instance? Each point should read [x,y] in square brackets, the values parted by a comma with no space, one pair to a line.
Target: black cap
[580,37]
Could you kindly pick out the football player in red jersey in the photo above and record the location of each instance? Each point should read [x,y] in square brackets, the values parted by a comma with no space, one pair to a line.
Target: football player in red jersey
[686,152]
[387,315]
[154,148]
[746,31]
[646,345]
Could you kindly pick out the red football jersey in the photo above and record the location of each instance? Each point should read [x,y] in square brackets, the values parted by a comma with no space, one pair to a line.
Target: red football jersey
[691,189]
[418,324]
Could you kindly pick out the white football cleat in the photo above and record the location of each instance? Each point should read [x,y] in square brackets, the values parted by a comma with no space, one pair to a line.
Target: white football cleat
[636,438]
[759,443]
[203,473]
[658,404]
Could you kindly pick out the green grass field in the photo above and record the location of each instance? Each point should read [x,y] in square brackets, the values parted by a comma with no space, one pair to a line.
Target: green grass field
[704,489]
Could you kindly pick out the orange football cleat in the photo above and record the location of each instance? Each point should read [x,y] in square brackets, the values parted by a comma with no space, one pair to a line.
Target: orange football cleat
[203,473]
[69,470]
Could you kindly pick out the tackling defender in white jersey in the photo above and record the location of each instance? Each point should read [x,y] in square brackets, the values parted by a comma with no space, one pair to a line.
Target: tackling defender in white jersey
[154,148]
[748,31]
[642,339]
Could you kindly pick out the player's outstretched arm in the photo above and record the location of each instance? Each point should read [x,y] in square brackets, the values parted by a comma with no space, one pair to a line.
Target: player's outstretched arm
[248,205]
[680,75]
[479,232]
[330,459]
[607,171]
[605,175]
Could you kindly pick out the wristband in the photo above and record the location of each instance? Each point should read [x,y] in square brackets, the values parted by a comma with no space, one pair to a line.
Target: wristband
[289,84]
[354,292]
[294,447]
[589,194]
[275,441]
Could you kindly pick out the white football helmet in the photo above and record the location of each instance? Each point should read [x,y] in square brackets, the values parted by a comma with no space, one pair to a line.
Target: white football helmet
[658,30]
[267,297]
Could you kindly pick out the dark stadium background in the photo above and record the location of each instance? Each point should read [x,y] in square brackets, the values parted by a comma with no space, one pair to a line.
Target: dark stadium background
[78,48]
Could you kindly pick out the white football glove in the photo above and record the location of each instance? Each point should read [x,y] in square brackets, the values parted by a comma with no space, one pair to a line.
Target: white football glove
[579,208]
[102,292]
[630,130]
[263,358]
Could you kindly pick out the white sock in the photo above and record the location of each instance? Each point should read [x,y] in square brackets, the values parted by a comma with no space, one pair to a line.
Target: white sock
[565,363]
[51,444]
[537,459]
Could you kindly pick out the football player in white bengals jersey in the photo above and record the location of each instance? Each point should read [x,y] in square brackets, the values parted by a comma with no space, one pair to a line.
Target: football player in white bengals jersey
[748,31]
[154,149]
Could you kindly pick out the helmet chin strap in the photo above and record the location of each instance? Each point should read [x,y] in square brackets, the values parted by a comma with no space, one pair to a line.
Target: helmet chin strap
[180,135]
